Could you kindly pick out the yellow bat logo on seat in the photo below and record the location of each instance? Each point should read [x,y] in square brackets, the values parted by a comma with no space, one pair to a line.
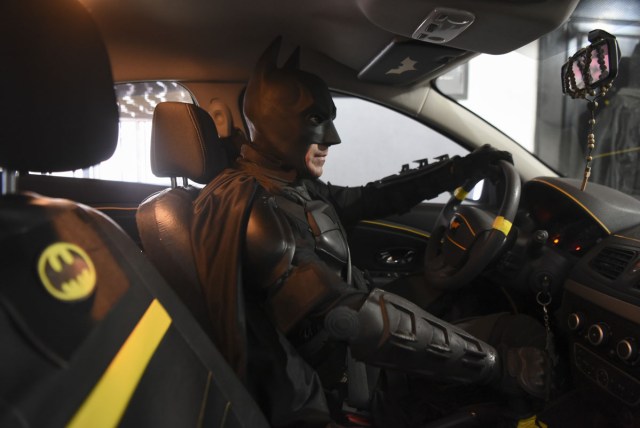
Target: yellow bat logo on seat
[66,271]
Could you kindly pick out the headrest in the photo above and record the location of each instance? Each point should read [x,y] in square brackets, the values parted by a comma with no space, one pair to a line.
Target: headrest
[185,143]
[59,108]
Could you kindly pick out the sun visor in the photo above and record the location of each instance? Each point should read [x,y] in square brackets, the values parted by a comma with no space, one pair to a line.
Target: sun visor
[482,26]
[405,62]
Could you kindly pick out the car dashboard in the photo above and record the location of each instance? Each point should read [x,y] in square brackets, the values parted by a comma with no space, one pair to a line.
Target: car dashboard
[570,227]
[597,233]
[601,312]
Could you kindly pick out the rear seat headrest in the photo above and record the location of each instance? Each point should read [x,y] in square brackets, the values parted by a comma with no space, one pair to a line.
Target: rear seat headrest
[60,110]
[185,143]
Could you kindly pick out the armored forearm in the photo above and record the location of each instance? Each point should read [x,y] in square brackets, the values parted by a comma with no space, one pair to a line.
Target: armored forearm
[402,191]
[389,331]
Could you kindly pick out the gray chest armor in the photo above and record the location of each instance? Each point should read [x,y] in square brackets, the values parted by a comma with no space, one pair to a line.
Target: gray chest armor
[331,242]
[323,223]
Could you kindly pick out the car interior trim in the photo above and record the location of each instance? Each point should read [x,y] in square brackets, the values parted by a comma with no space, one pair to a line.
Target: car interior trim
[626,237]
[604,227]
[502,224]
[109,399]
[389,225]
[617,306]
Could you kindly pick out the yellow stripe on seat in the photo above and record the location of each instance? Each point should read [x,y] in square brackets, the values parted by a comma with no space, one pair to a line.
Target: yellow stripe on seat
[502,224]
[108,400]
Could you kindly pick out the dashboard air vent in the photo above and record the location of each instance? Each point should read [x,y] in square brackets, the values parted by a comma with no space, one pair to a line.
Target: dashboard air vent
[611,262]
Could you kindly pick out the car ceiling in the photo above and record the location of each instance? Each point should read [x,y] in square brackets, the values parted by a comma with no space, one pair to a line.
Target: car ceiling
[220,40]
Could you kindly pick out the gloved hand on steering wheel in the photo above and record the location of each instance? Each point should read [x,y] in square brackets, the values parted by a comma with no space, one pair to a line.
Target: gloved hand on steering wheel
[482,162]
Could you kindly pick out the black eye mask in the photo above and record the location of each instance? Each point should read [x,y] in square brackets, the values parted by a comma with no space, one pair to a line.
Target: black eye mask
[287,110]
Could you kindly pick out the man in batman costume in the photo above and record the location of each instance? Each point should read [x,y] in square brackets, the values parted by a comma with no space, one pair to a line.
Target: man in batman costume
[289,312]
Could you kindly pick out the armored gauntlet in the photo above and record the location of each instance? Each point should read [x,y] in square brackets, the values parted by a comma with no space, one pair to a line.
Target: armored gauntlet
[389,331]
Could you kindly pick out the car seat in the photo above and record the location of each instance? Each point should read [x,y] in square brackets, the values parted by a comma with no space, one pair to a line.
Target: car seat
[185,144]
[91,333]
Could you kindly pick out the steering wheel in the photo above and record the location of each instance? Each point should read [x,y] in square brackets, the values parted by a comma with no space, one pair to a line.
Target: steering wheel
[465,238]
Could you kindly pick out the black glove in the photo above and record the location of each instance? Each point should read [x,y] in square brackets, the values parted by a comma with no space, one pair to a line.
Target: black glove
[481,163]
[525,370]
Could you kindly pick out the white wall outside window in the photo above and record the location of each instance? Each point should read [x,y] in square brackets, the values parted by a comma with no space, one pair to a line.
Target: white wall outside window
[378,141]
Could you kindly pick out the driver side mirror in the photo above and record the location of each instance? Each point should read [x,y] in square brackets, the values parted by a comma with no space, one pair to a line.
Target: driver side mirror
[592,67]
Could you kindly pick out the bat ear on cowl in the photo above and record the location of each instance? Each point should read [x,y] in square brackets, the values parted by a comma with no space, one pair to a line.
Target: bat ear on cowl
[268,61]
[293,63]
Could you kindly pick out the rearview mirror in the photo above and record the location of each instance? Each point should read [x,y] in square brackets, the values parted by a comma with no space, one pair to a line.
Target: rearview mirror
[592,67]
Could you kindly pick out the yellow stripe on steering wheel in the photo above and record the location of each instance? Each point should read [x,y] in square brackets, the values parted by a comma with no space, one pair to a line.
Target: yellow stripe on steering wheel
[502,224]
[460,194]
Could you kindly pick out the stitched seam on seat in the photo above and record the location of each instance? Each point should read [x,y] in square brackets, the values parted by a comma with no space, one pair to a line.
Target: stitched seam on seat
[200,138]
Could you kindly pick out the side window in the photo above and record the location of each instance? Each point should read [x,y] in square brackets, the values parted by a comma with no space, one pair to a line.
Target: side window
[378,141]
[131,160]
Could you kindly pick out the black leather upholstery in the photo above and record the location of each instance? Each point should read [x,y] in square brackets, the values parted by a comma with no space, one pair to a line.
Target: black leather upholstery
[164,222]
[91,333]
[184,143]
[59,121]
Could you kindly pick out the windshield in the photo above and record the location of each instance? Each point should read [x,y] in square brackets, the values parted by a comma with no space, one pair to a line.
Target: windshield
[520,93]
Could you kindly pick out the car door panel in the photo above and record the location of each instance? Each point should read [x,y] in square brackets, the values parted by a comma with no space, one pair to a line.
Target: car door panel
[393,247]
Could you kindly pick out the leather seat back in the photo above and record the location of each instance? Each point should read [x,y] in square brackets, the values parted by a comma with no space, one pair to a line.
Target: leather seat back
[91,333]
[184,143]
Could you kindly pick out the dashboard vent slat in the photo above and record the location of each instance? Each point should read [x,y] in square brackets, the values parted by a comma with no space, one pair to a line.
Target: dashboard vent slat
[611,262]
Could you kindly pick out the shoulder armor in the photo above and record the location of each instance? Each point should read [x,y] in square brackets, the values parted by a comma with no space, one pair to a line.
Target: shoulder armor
[270,243]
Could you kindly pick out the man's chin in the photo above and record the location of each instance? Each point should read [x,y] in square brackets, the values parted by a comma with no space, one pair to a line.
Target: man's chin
[312,173]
